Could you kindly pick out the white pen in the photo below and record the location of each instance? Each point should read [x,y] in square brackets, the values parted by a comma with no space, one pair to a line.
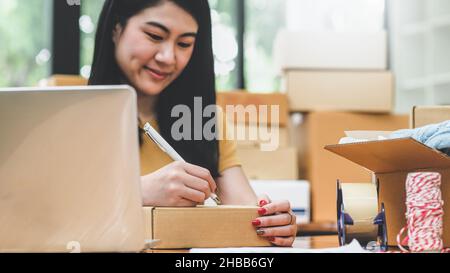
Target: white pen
[165,147]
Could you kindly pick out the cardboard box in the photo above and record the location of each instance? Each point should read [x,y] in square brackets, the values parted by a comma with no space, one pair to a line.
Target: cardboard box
[64,80]
[331,50]
[368,92]
[324,168]
[256,100]
[203,227]
[249,135]
[277,165]
[391,161]
[425,115]
[296,192]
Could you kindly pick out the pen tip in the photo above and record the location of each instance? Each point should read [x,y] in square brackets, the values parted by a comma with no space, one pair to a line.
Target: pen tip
[216,199]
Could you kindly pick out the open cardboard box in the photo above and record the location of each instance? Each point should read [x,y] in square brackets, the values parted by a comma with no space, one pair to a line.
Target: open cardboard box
[391,161]
[203,227]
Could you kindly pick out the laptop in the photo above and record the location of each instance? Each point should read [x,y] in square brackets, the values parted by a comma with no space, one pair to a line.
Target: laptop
[69,170]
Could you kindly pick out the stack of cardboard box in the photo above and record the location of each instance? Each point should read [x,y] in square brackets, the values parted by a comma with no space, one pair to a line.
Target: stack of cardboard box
[260,145]
[265,148]
[335,82]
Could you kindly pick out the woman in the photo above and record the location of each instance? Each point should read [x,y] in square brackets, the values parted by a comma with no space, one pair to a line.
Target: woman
[163,48]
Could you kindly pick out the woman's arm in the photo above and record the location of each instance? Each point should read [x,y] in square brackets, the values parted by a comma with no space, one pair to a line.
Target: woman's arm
[234,188]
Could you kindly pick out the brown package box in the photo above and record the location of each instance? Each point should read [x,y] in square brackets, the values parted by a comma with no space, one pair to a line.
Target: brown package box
[253,134]
[364,91]
[66,80]
[277,165]
[202,227]
[253,138]
[323,128]
[425,115]
[256,99]
[391,161]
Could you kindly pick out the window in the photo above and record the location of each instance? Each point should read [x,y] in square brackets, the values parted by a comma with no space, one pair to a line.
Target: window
[25,38]
[263,20]
[420,31]
[225,43]
[90,12]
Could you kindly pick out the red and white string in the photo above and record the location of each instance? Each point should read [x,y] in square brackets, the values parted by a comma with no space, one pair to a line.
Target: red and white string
[424,214]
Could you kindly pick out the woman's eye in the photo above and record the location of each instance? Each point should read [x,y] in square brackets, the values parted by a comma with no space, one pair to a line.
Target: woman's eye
[184,45]
[155,37]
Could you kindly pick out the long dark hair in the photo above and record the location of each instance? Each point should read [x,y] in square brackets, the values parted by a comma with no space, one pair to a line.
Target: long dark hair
[197,80]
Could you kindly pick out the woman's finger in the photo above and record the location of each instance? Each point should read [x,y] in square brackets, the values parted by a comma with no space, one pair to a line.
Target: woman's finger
[274,207]
[263,200]
[192,195]
[283,241]
[197,184]
[201,173]
[185,203]
[274,221]
[283,231]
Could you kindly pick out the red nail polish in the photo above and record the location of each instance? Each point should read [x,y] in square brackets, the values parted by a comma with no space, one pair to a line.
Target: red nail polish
[256,223]
[262,211]
[262,203]
[272,239]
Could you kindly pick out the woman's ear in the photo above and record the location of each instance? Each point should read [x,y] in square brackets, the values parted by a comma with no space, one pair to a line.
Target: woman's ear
[117,32]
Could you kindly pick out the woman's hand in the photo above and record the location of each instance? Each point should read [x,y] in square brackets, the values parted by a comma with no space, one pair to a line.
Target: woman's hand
[277,222]
[177,185]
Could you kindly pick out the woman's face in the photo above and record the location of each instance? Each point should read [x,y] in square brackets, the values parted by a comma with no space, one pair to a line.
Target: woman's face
[155,46]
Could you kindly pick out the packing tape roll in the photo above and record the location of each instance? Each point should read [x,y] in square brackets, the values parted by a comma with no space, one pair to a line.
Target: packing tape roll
[361,203]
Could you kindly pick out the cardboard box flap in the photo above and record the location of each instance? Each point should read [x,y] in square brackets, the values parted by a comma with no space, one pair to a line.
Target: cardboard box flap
[368,135]
[387,156]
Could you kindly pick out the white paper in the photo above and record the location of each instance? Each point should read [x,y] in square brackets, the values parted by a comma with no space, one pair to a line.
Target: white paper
[354,247]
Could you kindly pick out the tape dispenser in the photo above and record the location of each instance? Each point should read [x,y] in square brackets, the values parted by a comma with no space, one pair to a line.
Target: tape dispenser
[359,217]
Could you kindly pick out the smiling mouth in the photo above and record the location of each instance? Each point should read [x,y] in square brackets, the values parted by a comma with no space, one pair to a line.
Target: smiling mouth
[158,75]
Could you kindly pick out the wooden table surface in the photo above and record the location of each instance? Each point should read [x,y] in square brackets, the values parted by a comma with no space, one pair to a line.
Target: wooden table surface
[317,229]
[316,242]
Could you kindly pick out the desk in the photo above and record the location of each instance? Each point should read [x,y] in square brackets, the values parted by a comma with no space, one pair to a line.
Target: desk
[301,242]
[314,242]
[317,229]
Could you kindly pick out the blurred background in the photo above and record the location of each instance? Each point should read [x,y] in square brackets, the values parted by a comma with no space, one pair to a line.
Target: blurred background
[40,38]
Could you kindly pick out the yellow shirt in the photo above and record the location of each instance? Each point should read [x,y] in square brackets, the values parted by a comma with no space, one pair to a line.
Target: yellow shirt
[153,158]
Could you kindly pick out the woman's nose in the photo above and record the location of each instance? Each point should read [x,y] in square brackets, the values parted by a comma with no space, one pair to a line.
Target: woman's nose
[166,55]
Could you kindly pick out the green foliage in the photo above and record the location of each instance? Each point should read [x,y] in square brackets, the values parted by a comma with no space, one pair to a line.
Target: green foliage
[24,32]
